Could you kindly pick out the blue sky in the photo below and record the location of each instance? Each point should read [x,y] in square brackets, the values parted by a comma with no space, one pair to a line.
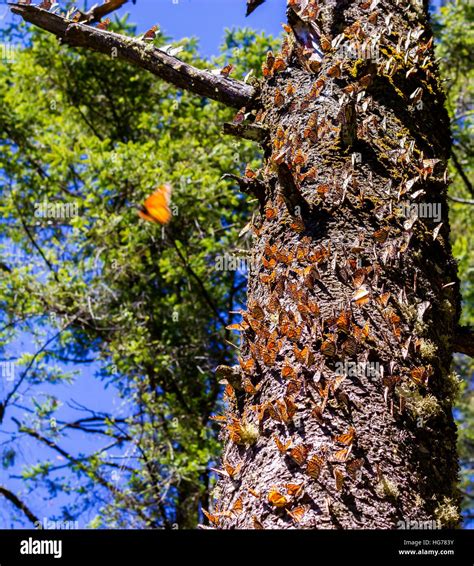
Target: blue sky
[205,19]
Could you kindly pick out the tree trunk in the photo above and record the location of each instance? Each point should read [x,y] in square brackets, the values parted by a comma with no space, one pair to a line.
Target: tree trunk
[342,414]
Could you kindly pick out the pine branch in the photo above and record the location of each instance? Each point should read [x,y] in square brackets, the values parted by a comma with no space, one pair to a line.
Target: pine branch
[463,341]
[18,504]
[203,83]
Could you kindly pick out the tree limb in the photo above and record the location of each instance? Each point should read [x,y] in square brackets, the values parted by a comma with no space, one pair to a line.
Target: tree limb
[96,13]
[246,131]
[18,504]
[463,341]
[204,83]
[463,175]
[461,200]
[253,187]
[252,5]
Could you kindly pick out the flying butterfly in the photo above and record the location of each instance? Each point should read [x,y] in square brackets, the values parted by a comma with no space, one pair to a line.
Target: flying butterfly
[156,207]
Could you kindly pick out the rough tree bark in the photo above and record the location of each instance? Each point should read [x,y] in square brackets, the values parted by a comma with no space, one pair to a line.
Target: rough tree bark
[339,413]
[345,419]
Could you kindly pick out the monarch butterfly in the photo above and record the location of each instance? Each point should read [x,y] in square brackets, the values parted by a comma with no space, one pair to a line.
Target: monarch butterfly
[282,448]
[257,524]
[297,513]
[213,519]
[232,471]
[294,489]
[150,34]
[156,206]
[315,466]
[353,466]
[276,498]
[104,24]
[299,454]
[339,477]
[238,506]
[347,437]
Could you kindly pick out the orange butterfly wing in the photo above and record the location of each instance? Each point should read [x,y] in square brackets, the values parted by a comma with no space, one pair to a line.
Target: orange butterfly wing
[156,206]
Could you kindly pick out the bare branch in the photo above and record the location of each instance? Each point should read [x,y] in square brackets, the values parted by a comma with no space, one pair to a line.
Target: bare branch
[463,341]
[252,5]
[96,13]
[246,131]
[253,187]
[461,172]
[18,504]
[203,83]
[461,200]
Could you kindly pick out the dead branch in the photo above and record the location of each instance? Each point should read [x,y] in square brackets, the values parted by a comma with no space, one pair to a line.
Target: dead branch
[146,56]
[96,13]
[246,131]
[253,187]
[18,504]
[252,5]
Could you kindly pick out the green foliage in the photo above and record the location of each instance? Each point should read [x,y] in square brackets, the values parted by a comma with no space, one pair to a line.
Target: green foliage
[456,48]
[144,305]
